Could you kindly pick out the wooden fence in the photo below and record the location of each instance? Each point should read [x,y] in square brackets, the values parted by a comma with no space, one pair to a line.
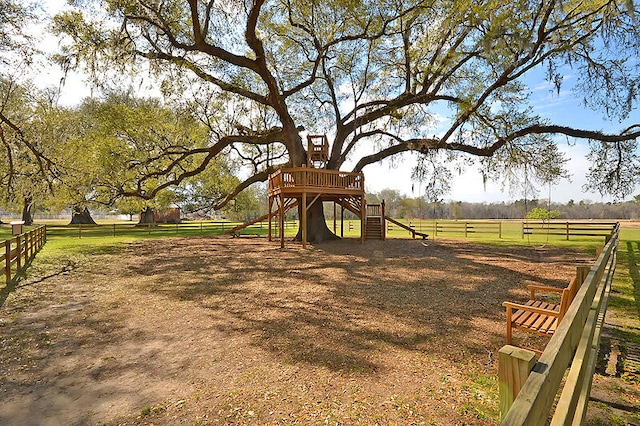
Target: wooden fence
[17,252]
[123,229]
[529,387]
[467,228]
[587,229]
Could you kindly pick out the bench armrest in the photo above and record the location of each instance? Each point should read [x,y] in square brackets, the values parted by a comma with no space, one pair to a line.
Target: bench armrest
[545,288]
[532,288]
[511,305]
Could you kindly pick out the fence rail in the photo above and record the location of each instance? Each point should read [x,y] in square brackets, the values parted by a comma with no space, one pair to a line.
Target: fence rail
[17,252]
[123,229]
[535,384]
[568,229]
[467,228]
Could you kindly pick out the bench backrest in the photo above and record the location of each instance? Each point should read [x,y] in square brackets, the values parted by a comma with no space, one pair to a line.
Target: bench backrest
[568,294]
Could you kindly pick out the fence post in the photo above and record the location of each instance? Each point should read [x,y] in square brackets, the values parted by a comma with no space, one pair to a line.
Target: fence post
[7,267]
[567,231]
[466,227]
[18,253]
[514,366]
[500,230]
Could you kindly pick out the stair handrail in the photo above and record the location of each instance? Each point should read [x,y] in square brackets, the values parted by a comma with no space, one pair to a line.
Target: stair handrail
[407,227]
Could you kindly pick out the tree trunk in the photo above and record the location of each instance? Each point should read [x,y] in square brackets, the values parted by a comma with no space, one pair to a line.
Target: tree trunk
[147,216]
[317,229]
[81,216]
[27,210]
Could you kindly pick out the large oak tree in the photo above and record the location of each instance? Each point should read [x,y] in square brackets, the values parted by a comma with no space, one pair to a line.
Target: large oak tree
[375,75]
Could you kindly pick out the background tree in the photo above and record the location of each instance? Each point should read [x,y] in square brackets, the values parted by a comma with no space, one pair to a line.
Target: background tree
[32,134]
[541,213]
[373,74]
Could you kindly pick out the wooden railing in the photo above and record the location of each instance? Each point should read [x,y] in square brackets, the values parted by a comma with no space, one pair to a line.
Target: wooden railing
[467,228]
[18,251]
[375,210]
[587,229]
[306,178]
[409,228]
[532,385]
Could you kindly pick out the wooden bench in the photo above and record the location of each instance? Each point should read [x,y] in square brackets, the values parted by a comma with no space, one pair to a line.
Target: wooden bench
[537,316]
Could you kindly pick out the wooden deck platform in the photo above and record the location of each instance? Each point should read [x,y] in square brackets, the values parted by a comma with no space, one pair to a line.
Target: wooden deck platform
[296,181]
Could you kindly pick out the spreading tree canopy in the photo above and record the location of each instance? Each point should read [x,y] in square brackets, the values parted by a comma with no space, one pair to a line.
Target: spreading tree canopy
[441,78]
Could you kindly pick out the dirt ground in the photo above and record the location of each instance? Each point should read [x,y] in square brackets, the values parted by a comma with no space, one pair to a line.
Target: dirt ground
[223,331]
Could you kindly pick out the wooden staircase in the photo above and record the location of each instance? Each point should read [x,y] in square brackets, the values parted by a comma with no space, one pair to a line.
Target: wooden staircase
[373,228]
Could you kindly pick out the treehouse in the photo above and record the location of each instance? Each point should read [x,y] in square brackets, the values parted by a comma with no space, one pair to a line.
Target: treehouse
[304,187]
[290,187]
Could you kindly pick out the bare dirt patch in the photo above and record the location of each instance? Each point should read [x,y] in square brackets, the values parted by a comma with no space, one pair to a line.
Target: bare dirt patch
[220,331]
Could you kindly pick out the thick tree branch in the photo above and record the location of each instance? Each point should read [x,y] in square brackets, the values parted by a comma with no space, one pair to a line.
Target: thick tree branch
[424,145]
[257,177]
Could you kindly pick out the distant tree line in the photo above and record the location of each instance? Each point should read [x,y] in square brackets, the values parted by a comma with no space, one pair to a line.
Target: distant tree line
[400,206]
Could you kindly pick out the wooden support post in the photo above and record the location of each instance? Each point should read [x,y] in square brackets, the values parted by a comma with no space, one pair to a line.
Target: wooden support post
[270,210]
[18,253]
[7,267]
[342,221]
[281,220]
[303,220]
[383,221]
[363,219]
[567,231]
[466,228]
[514,366]
[499,229]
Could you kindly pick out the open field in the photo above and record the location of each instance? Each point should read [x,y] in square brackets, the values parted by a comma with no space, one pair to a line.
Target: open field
[215,330]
